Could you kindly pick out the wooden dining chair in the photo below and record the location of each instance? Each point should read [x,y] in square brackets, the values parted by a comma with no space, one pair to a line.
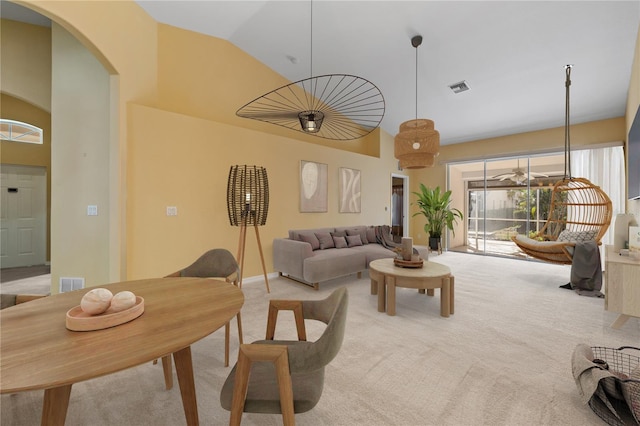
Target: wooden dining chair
[295,384]
[215,263]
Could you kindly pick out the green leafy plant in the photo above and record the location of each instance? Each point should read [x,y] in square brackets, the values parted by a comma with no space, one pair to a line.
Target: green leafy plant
[435,206]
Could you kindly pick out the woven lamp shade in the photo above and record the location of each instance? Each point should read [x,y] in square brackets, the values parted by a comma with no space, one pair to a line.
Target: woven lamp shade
[417,144]
[247,195]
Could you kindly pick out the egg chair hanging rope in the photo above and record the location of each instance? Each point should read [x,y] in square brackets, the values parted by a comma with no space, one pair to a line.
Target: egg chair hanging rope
[567,126]
[579,210]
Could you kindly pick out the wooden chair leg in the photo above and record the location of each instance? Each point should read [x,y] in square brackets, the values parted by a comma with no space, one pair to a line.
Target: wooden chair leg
[240,339]
[278,355]
[168,373]
[226,344]
[275,306]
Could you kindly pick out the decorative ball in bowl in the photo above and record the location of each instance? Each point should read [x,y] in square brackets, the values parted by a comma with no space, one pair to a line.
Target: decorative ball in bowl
[100,309]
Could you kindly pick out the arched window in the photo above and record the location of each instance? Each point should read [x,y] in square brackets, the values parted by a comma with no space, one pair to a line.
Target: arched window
[16,131]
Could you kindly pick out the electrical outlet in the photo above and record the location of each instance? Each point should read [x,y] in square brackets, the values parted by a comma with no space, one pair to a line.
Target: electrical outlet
[172,211]
[92,210]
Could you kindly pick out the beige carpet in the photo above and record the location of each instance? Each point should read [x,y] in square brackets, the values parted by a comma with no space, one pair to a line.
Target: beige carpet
[502,359]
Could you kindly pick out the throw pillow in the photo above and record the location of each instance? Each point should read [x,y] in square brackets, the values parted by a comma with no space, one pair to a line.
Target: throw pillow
[326,240]
[371,235]
[577,236]
[310,238]
[362,232]
[354,240]
[340,242]
[339,234]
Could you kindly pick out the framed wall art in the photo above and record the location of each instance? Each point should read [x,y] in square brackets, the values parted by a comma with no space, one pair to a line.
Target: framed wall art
[313,187]
[349,181]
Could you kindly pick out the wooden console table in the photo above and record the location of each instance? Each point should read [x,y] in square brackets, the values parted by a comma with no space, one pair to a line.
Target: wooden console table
[622,286]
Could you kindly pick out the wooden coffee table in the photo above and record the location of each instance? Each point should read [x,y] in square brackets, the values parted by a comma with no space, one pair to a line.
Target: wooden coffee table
[385,277]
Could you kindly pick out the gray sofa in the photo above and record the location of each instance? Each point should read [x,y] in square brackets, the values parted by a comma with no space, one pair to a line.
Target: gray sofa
[310,256]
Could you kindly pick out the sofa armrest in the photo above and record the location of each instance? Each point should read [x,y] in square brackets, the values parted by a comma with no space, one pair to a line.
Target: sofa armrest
[289,256]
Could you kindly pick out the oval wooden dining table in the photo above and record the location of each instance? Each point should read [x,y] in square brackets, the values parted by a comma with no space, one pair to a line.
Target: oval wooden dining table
[37,351]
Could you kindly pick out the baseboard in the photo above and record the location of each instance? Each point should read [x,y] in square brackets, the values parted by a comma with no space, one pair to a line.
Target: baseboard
[256,278]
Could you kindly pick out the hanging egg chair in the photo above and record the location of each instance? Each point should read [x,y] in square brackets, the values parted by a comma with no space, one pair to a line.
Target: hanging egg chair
[579,211]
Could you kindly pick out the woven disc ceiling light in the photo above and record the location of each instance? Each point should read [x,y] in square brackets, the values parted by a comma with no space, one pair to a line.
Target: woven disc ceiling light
[417,143]
[333,106]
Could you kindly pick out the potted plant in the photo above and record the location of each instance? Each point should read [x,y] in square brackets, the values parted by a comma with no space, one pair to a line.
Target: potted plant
[435,206]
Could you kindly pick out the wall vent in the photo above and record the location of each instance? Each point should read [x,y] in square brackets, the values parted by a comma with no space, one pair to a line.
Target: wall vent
[71,283]
[461,86]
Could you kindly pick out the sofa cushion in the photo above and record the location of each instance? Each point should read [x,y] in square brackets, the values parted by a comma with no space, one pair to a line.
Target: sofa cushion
[374,252]
[332,263]
[325,239]
[310,237]
[341,233]
[340,242]
[354,240]
[361,231]
[371,235]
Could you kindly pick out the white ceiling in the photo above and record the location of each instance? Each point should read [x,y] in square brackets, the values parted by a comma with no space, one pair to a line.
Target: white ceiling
[511,53]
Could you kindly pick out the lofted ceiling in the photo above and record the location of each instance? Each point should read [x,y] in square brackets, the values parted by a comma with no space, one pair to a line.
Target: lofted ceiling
[511,53]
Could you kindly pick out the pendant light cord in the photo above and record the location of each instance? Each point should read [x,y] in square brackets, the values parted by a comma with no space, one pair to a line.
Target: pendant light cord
[567,139]
[416,122]
[311,39]
[416,84]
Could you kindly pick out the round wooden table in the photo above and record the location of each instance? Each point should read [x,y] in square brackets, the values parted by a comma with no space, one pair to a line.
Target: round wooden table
[386,276]
[38,352]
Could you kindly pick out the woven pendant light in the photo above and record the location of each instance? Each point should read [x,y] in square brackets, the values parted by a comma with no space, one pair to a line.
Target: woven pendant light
[417,143]
[331,106]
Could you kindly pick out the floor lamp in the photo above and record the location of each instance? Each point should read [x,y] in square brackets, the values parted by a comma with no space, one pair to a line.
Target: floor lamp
[248,204]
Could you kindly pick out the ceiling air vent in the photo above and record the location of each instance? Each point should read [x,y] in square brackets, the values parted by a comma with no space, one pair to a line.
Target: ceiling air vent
[461,86]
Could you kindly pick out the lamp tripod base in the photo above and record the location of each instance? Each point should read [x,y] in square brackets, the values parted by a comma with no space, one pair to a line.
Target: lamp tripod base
[241,250]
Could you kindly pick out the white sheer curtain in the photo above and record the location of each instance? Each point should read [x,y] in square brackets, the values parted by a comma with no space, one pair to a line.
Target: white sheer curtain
[605,168]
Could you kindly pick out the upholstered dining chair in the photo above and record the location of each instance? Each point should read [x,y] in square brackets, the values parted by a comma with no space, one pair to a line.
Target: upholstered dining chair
[7,300]
[293,384]
[215,263]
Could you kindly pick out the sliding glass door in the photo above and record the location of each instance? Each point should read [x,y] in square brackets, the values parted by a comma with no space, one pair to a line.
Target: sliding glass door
[506,197]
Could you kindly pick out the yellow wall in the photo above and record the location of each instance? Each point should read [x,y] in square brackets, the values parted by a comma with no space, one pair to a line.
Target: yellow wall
[211,78]
[183,161]
[25,62]
[27,154]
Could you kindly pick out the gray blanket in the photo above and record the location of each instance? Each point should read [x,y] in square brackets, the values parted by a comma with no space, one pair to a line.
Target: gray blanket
[384,238]
[586,269]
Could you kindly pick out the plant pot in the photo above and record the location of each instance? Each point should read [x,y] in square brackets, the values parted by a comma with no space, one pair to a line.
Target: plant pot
[434,243]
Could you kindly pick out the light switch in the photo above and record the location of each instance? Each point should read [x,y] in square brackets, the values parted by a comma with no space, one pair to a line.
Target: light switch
[92,210]
[172,211]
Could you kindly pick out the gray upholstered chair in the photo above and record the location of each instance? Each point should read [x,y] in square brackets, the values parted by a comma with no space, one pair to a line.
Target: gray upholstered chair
[216,263]
[293,384]
[7,300]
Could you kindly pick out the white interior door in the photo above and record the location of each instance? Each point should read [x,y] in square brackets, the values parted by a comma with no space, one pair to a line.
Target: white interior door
[23,212]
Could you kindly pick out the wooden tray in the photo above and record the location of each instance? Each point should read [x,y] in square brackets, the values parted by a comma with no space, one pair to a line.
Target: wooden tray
[78,320]
[415,262]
